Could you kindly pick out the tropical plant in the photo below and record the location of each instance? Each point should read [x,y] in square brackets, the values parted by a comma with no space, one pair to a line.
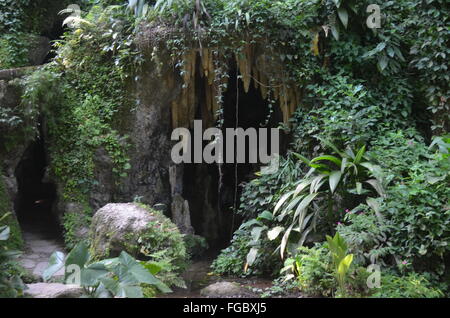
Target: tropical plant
[116,277]
[340,259]
[312,269]
[328,175]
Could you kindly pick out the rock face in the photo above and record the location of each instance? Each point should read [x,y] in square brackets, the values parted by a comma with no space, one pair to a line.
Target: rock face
[44,290]
[39,48]
[225,290]
[14,137]
[115,225]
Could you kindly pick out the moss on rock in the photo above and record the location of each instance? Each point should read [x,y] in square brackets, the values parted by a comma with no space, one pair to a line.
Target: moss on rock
[138,230]
[15,240]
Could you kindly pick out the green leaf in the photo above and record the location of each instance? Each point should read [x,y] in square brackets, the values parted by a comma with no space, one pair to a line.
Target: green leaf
[344,265]
[91,274]
[78,256]
[377,186]
[55,263]
[382,63]
[282,201]
[335,31]
[4,233]
[360,154]
[266,215]
[305,203]
[302,186]
[251,256]
[334,159]
[343,16]
[284,240]
[134,271]
[317,183]
[334,179]
[272,234]
[152,267]
[256,233]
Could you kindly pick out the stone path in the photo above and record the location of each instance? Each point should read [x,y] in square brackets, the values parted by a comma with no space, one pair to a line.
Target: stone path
[40,243]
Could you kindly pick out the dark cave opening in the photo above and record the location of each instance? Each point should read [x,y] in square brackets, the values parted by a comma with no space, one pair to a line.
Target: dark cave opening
[36,196]
[210,191]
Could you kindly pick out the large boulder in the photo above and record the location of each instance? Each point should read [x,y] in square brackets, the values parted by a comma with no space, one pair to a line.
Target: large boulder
[226,290]
[115,225]
[138,230]
[54,290]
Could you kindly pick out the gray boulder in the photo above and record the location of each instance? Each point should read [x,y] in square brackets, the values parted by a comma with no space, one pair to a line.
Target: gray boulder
[54,290]
[225,290]
[116,226]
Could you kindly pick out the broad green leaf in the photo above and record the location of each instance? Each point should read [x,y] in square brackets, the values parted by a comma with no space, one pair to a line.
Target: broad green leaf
[334,179]
[55,263]
[250,223]
[251,256]
[125,290]
[335,31]
[91,274]
[317,183]
[334,159]
[293,203]
[152,267]
[383,62]
[305,203]
[272,234]
[79,255]
[344,265]
[282,201]
[256,233]
[343,16]
[140,273]
[377,186]
[4,233]
[266,215]
[302,185]
[360,154]
[284,240]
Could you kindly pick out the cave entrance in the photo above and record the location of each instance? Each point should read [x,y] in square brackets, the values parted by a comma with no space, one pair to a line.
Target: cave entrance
[213,193]
[36,197]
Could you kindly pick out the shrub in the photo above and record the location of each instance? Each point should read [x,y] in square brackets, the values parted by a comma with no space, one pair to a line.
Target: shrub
[313,270]
[196,245]
[412,285]
[231,261]
[365,235]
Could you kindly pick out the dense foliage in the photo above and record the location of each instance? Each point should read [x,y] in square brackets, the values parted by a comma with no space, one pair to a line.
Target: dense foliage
[368,159]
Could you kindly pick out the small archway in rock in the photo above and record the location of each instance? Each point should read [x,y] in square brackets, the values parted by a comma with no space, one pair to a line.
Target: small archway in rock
[36,197]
